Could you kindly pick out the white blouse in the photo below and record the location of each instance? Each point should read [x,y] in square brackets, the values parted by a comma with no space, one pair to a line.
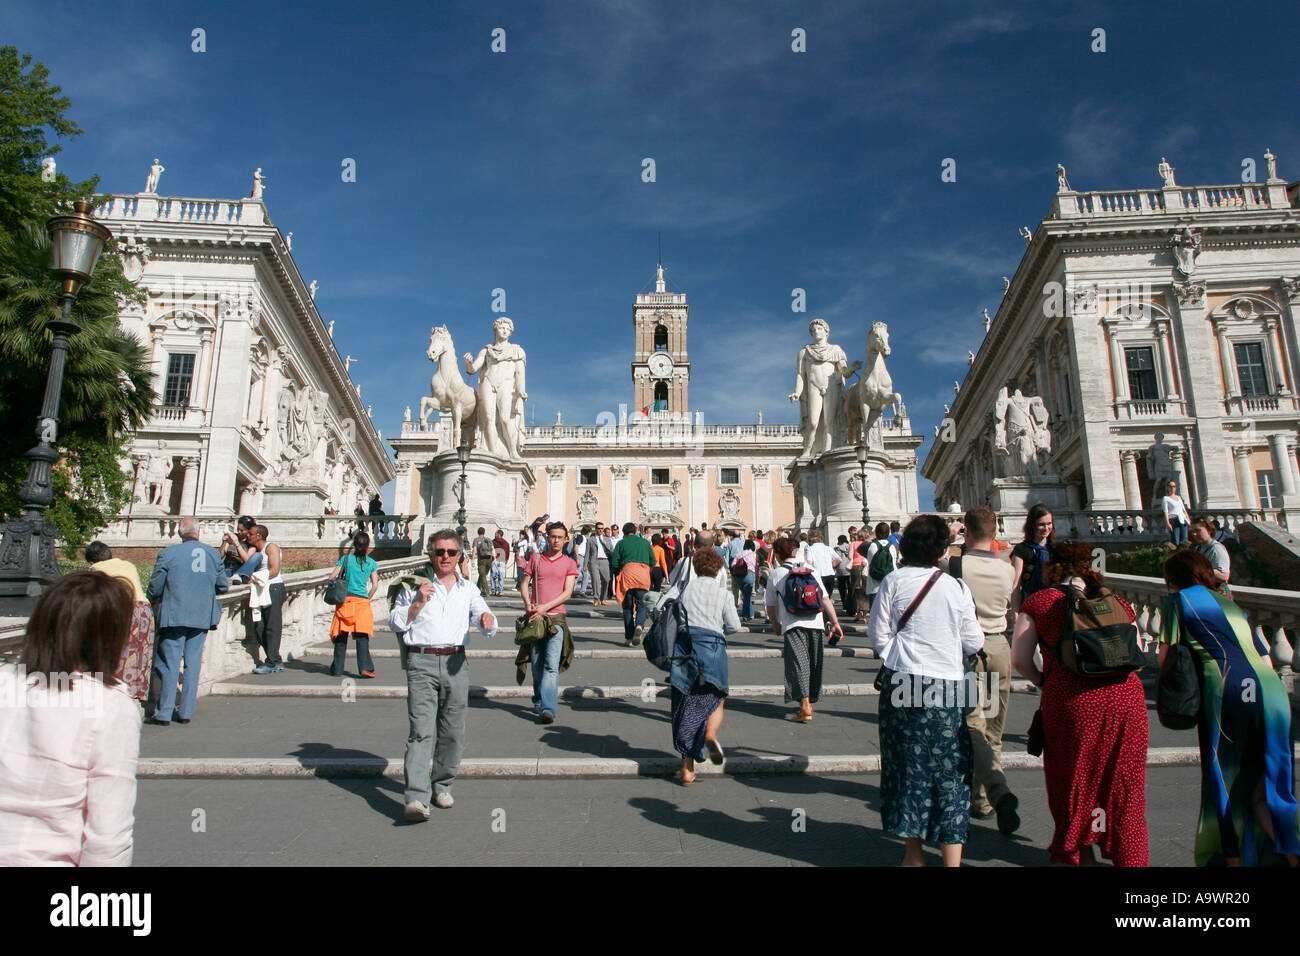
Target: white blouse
[941,633]
[67,772]
[1175,510]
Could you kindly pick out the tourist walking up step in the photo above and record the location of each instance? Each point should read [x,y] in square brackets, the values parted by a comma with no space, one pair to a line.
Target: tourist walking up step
[1201,534]
[747,564]
[630,564]
[699,681]
[1248,804]
[1095,730]
[268,617]
[554,574]
[858,574]
[500,558]
[882,558]
[844,574]
[990,579]
[70,735]
[730,549]
[434,626]
[823,560]
[923,626]
[1030,558]
[137,660]
[186,580]
[481,550]
[354,616]
[523,548]
[599,548]
[802,631]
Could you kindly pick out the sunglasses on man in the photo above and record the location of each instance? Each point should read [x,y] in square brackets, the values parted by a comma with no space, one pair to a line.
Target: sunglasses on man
[445,552]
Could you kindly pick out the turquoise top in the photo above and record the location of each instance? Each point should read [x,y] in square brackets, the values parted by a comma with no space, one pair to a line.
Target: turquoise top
[358,571]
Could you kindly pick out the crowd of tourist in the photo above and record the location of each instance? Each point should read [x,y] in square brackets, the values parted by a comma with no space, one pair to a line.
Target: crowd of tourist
[951,612]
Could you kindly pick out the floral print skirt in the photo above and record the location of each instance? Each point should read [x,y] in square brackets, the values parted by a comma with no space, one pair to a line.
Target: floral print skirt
[925,762]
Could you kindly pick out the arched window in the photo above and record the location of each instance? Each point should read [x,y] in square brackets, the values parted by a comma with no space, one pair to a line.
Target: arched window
[661,338]
[661,396]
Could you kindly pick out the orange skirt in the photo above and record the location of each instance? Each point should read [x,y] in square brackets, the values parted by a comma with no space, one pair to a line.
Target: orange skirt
[353,616]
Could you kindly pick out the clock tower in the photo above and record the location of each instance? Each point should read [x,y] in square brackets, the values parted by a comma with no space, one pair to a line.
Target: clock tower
[661,369]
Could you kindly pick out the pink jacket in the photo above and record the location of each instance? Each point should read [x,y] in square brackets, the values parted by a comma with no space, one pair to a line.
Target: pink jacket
[67,772]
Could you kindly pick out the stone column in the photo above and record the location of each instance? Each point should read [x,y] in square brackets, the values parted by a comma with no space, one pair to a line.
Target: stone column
[401,491]
[248,500]
[190,488]
[1231,386]
[621,488]
[1180,469]
[1132,488]
[555,492]
[1245,478]
[1118,371]
[1277,347]
[696,498]
[204,372]
[1282,463]
[761,492]
[1164,358]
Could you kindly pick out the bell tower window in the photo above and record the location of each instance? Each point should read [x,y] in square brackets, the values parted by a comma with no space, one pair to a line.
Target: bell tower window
[661,338]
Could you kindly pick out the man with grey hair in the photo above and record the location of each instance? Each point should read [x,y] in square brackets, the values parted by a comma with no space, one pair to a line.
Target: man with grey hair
[434,623]
[186,580]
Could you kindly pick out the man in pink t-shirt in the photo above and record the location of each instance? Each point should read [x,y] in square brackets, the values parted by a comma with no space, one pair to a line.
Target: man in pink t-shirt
[555,573]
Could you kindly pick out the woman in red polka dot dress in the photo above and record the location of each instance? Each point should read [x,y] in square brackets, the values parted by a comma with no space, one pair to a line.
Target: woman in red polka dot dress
[1095,732]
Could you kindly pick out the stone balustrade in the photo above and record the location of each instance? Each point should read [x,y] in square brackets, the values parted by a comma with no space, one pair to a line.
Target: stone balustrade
[1095,204]
[1273,614]
[148,207]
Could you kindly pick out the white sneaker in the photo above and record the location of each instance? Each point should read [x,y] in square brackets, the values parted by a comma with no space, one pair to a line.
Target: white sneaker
[416,812]
[443,801]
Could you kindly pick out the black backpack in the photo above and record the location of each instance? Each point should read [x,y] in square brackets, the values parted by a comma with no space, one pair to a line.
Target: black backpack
[669,636]
[1178,689]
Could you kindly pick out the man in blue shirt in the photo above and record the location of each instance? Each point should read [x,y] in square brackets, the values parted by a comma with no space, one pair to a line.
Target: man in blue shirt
[185,583]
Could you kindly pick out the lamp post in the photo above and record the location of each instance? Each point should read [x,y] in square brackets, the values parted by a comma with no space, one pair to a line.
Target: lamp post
[462,453]
[862,473]
[27,554]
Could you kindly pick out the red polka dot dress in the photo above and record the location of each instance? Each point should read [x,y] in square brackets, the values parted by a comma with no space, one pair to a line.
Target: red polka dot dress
[1095,735]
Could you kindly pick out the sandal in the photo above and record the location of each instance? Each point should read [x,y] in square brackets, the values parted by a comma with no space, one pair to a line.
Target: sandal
[799,717]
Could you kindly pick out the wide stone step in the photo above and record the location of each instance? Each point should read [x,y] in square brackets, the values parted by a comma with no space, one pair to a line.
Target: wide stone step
[741,652]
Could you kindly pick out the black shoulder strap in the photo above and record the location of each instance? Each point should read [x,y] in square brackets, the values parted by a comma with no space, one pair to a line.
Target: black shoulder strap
[916,601]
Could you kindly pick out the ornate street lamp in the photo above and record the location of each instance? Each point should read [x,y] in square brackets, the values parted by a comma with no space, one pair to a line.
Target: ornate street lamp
[27,555]
[862,473]
[462,453]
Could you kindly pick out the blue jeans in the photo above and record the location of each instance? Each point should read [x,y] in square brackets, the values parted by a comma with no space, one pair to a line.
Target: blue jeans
[1178,532]
[546,667]
[498,580]
[746,593]
[175,644]
[634,611]
[364,660]
[583,582]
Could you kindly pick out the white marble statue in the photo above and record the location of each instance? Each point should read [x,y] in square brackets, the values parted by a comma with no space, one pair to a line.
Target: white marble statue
[155,471]
[48,169]
[1021,435]
[1270,164]
[1160,468]
[1026,235]
[970,357]
[300,422]
[155,174]
[873,393]
[451,397]
[330,328]
[819,390]
[1166,173]
[259,182]
[288,242]
[347,364]
[406,416]
[988,322]
[311,289]
[1062,184]
[501,392]
[1006,285]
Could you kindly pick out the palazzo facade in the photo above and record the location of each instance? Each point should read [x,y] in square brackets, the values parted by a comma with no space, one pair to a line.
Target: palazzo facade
[257,413]
[1163,311]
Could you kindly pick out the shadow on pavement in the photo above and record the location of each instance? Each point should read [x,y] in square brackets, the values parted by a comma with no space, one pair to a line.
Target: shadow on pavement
[386,797]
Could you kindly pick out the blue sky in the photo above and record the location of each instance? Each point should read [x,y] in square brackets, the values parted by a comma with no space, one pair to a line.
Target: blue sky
[774,169]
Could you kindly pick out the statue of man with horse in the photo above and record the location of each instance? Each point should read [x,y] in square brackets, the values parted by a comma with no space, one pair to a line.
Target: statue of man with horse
[866,399]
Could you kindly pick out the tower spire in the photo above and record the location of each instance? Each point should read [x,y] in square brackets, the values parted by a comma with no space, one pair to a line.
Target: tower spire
[659,271]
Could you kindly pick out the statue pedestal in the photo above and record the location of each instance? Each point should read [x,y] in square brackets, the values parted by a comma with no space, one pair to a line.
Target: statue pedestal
[496,492]
[828,495]
[306,502]
[1015,496]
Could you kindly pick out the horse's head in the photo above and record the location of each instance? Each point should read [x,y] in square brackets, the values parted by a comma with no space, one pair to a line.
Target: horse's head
[439,343]
[878,340]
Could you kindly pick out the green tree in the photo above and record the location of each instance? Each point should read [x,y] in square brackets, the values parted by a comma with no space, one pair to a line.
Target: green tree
[107,387]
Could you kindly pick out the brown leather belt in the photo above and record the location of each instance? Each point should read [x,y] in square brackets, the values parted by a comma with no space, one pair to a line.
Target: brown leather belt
[443,651]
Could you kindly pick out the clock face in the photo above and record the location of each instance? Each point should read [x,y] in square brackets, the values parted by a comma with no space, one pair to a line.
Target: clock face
[660,365]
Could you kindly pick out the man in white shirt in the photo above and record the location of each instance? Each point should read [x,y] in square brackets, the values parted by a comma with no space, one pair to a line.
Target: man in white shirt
[434,625]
